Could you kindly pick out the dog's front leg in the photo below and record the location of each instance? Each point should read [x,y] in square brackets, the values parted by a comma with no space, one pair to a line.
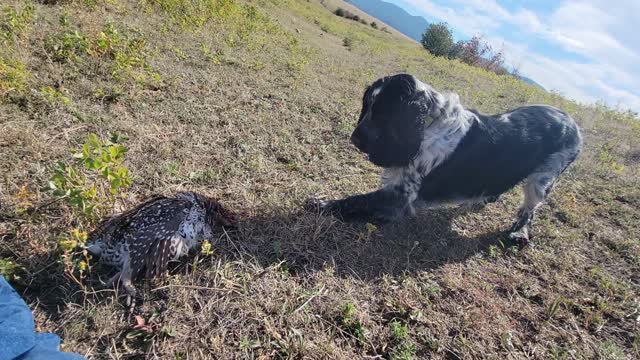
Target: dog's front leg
[384,205]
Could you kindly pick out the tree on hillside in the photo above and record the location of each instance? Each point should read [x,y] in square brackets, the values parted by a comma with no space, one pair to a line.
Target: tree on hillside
[456,50]
[438,39]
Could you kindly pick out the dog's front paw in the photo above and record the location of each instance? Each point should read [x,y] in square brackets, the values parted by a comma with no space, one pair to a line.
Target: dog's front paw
[318,205]
[521,239]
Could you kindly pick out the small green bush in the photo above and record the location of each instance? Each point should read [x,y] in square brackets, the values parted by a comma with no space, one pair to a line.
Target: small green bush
[350,323]
[14,22]
[347,42]
[127,53]
[13,77]
[8,269]
[67,47]
[54,97]
[403,347]
[438,39]
[93,178]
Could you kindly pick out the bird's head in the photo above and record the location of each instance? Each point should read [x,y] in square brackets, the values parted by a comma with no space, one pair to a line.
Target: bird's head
[219,215]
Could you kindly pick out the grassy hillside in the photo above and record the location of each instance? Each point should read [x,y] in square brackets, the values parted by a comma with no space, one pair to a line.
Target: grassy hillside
[253,102]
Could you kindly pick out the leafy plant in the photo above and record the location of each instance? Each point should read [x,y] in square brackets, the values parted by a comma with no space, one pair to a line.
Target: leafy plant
[75,263]
[88,182]
[94,176]
[68,46]
[13,77]
[608,162]
[350,323]
[347,42]
[403,347]
[15,22]
[206,248]
[611,351]
[399,332]
[54,97]
[8,269]
[553,307]
[369,229]
[127,53]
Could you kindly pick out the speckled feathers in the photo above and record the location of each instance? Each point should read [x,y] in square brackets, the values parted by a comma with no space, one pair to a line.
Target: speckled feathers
[155,232]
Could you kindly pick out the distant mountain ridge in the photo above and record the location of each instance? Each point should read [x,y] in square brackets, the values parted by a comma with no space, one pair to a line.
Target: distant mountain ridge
[411,25]
[394,16]
[531,82]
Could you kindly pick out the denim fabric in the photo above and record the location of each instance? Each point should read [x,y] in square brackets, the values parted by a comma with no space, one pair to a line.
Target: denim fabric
[18,339]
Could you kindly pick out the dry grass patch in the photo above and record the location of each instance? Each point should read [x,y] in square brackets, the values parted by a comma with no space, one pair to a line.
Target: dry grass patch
[253,102]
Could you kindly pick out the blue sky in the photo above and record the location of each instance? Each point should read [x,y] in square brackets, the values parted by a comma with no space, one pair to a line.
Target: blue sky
[587,50]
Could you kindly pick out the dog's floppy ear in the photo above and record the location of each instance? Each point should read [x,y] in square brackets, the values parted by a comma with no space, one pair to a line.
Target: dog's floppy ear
[429,102]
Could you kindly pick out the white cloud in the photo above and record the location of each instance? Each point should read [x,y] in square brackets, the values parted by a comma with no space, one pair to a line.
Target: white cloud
[587,30]
[599,31]
[584,82]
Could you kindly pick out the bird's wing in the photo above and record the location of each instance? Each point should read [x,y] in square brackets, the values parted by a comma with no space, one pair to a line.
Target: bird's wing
[149,234]
[157,258]
[115,227]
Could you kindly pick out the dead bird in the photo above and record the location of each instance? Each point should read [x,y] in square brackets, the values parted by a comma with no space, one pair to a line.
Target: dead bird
[155,232]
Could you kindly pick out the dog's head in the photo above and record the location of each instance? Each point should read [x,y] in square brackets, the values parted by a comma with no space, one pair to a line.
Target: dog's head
[395,112]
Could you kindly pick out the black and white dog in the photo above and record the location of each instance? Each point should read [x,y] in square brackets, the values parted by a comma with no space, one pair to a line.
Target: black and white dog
[435,152]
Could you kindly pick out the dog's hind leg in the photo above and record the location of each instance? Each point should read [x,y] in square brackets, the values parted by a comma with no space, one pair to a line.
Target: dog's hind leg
[537,187]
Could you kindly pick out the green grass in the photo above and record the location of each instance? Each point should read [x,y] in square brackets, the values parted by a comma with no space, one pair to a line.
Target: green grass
[350,323]
[253,102]
[15,22]
[13,77]
[403,347]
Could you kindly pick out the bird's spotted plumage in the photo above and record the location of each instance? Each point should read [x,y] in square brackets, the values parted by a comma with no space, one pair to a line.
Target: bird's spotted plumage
[161,229]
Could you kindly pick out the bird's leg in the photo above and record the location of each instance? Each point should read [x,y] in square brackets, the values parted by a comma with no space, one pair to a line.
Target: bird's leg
[124,277]
[125,280]
[128,286]
[112,280]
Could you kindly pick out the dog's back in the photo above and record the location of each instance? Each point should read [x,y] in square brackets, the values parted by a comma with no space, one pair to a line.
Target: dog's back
[500,151]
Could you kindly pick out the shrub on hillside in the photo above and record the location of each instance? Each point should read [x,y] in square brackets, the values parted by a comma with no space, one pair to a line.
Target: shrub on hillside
[438,39]
[347,42]
[477,52]
[351,16]
[456,50]
[374,25]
